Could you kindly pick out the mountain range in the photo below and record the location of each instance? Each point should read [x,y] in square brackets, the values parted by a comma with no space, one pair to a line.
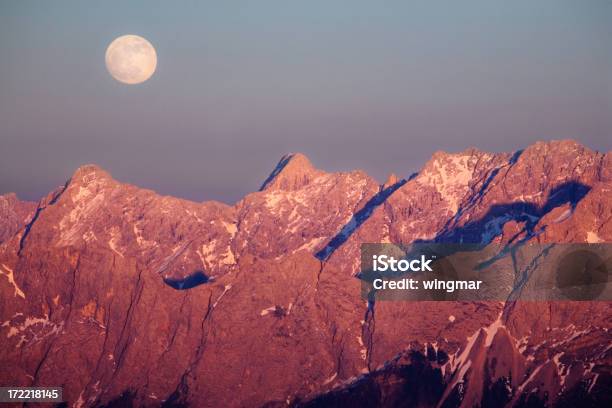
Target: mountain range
[125,297]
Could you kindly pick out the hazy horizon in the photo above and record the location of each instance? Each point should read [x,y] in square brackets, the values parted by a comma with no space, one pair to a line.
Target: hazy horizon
[256,187]
[351,84]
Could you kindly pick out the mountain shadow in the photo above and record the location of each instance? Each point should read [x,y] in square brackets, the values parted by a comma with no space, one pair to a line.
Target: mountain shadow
[197,278]
[483,230]
[279,167]
[359,218]
[476,235]
[479,195]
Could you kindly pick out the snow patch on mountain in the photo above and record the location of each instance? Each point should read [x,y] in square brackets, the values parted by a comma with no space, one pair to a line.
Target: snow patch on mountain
[8,272]
[562,369]
[72,225]
[82,194]
[34,329]
[140,240]
[492,329]
[273,199]
[593,237]
[210,253]
[226,288]
[231,228]
[310,245]
[529,379]
[113,242]
[450,175]
[267,311]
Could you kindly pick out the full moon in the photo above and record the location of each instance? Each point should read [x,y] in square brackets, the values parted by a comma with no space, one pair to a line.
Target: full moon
[131,59]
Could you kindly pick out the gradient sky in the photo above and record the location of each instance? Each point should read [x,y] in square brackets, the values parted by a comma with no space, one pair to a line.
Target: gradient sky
[376,85]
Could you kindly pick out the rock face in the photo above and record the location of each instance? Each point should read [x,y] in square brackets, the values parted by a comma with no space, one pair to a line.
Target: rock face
[14,215]
[125,297]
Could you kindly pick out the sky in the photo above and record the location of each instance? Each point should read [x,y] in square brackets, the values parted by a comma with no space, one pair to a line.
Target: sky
[372,85]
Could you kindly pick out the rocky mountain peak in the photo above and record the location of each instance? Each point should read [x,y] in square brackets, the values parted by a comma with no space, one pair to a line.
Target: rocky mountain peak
[292,172]
[391,180]
[557,147]
[441,158]
[14,214]
[88,173]
[9,197]
[87,181]
[451,173]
